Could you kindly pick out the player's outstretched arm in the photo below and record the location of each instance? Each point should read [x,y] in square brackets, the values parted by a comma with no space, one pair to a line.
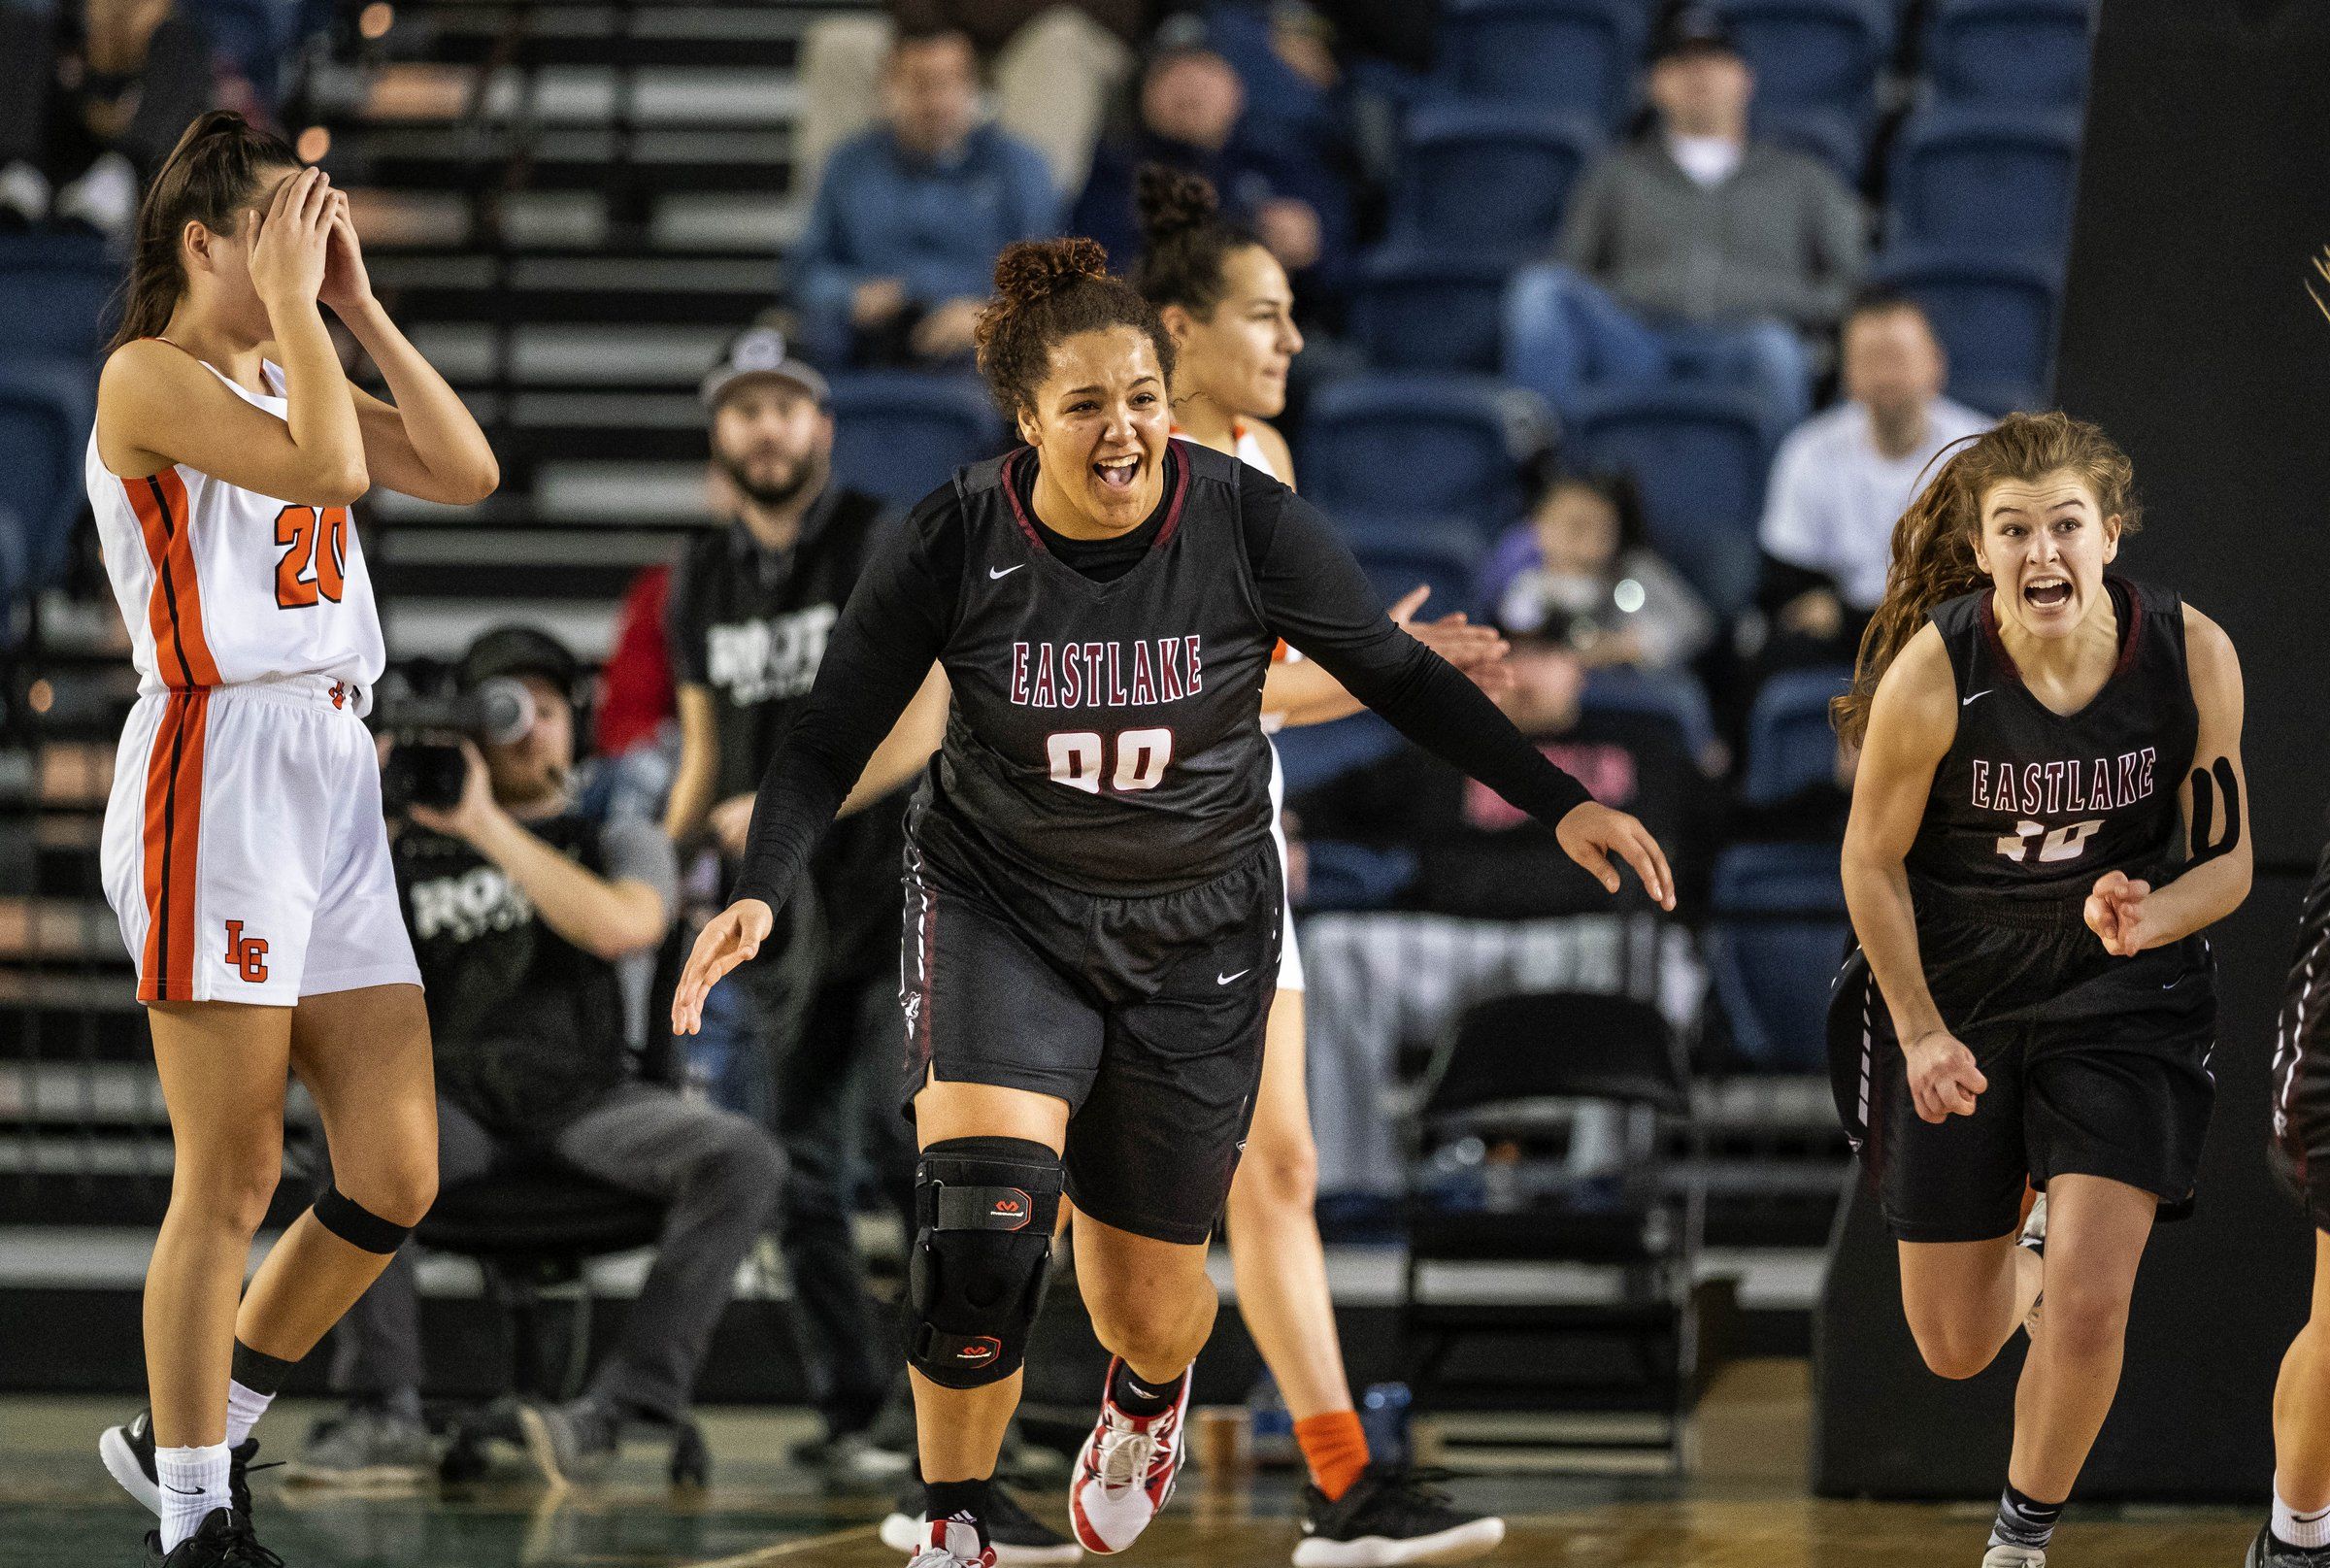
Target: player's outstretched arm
[1299,692]
[2130,916]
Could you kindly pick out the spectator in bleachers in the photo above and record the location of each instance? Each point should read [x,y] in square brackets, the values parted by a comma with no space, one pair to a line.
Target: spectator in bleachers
[814,1034]
[1054,64]
[1697,243]
[910,214]
[1192,118]
[536,916]
[93,97]
[1843,479]
[1582,573]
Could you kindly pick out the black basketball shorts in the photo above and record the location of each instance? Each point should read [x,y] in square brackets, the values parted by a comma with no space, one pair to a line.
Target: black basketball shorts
[2300,1147]
[2096,1065]
[1146,1015]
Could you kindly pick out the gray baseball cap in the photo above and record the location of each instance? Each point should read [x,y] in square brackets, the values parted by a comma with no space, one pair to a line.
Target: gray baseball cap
[762,351]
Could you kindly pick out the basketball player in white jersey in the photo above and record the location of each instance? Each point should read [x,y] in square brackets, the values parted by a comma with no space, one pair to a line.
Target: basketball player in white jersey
[244,853]
[1227,303]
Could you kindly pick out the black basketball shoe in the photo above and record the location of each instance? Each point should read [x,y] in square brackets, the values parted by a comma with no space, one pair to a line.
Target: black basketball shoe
[127,1450]
[1391,1515]
[2267,1553]
[224,1541]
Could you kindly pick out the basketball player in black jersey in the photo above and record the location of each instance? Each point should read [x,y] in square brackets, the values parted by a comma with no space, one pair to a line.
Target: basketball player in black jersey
[2297,1532]
[2048,813]
[1092,898]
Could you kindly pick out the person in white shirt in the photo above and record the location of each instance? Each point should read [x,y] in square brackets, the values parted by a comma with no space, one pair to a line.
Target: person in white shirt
[1843,476]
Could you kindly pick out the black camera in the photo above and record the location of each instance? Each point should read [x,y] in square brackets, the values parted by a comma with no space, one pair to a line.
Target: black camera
[425,766]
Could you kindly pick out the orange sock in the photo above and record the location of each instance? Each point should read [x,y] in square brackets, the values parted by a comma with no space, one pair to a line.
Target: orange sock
[1335,1447]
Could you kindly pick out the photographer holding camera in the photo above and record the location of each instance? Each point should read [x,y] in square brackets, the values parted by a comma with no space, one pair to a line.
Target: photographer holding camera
[536,916]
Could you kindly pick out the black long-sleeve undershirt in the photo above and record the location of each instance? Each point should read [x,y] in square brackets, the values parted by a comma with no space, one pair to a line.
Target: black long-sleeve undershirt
[1314,595]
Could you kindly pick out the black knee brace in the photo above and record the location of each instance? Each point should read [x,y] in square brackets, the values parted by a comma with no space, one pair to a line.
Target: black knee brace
[359,1226]
[984,1209]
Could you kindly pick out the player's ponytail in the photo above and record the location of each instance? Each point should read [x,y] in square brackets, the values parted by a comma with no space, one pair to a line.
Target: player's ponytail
[1184,239]
[1933,543]
[209,178]
[1046,291]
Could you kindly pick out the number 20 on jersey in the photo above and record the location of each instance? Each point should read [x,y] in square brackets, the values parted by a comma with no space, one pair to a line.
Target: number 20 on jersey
[314,564]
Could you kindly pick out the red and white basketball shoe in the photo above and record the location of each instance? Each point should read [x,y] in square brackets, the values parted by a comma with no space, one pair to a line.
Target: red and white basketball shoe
[952,1543]
[1127,1470]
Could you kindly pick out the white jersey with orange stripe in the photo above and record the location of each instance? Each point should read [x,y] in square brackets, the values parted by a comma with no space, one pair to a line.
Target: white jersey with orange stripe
[220,585]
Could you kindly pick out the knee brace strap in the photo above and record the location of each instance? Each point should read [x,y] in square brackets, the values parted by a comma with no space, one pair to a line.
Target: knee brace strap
[359,1226]
[984,1209]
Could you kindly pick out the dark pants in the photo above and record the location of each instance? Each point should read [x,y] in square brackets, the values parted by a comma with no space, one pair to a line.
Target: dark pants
[833,1095]
[722,1179]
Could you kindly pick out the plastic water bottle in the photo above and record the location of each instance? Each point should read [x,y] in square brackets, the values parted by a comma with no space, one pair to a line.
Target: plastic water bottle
[1383,1414]
[1272,1424]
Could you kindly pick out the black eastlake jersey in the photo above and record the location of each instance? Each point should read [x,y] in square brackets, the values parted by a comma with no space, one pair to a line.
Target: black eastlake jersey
[1106,735]
[2031,805]
[1105,731]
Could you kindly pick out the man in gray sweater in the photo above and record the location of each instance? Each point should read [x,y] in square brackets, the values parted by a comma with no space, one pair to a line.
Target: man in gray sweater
[1697,250]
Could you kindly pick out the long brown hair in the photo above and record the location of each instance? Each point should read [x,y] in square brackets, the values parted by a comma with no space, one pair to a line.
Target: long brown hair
[1933,543]
[209,178]
[1046,291]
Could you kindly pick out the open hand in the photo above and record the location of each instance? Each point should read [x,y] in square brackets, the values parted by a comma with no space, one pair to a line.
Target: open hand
[1477,651]
[1591,833]
[287,256]
[345,285]
[1944,1079]
[2116,910]
[727,940]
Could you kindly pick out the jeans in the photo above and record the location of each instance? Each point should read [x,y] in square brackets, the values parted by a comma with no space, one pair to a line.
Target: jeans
[1565,333]
[722,1179]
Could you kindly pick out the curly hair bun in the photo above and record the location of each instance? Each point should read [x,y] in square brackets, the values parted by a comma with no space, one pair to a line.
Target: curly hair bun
[1032,270]
[1173,202]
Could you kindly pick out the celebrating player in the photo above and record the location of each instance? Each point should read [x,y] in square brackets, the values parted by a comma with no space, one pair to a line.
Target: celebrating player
[244,848]
[1093,903]
[2048,813]
[1228,306]
[2297,1532]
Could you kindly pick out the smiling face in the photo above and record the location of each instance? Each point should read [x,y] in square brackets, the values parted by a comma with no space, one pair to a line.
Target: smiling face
[1099,421]
[2046,544]
[1238,356]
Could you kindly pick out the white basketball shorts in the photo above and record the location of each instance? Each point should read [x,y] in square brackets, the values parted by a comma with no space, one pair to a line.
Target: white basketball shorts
[245,854]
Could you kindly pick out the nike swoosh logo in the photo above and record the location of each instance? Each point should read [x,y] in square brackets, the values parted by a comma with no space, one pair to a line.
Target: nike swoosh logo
[993,573]
[182,1492]
[1224,980]
[1976,697]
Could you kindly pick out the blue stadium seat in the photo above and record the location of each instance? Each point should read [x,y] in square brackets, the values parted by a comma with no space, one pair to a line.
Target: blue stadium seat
[1627,689]
[1984,178]
[1315,754]
[1790,744]
[1994,313]
[1448,445]
[1817,53]
[255,34]
[1778,936]
[46,411]
[1430,309]
[899,435]
[1400,549]
[1700,455]
[2030,53]
[54,293]
[1492,175]
[1577,56]
[1828,136]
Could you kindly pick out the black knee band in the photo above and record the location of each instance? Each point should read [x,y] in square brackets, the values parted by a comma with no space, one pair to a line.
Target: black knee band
[358,1225]
[985,1210]
[257,1370]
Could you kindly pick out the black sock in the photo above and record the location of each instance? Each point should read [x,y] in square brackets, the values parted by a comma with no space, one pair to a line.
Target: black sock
[2024,1521]
[963,1501]
[1134,1397]
[261,1373]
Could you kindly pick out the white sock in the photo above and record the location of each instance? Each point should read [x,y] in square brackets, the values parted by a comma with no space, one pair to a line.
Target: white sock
[2311,1530]
[194,1483]
[244,1408]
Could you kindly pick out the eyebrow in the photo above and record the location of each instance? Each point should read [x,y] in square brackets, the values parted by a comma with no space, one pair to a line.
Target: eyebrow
[2053,506]
[1079,391]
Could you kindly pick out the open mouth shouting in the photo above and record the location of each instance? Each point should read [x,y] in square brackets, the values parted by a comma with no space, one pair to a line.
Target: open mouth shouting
[2048,590]
[1117,474]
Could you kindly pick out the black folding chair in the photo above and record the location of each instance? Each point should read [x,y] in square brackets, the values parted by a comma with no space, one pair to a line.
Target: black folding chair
[1516,1069]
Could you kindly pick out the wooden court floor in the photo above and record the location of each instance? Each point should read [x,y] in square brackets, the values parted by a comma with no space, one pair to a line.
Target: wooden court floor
[1745,1508]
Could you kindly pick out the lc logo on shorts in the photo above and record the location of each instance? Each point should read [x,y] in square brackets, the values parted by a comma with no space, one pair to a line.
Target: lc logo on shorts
[248,954]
